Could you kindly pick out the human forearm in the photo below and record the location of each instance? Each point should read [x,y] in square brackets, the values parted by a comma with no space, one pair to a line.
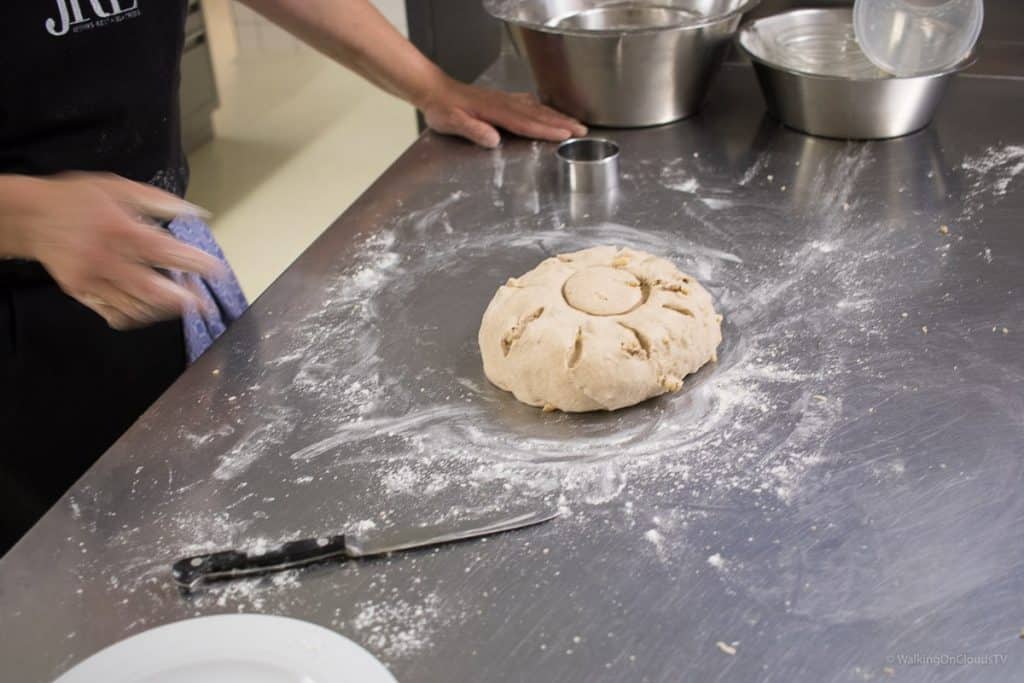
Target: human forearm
[355,34]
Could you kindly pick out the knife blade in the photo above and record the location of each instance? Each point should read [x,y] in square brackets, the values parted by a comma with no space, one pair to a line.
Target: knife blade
[189,572]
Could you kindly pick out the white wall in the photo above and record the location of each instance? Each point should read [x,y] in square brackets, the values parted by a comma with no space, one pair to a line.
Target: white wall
[256,34]
[394,10]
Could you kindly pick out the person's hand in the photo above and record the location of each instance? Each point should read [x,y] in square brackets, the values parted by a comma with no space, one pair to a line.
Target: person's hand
[474,113]
[93,233]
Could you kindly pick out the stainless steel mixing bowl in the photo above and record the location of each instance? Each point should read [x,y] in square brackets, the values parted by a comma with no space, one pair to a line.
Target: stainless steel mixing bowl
[622,63]
[815,78]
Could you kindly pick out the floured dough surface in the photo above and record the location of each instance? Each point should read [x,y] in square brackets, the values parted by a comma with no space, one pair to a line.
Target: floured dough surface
[598,329]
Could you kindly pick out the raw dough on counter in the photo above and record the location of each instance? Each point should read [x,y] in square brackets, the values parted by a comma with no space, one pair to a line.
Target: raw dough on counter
[598,329]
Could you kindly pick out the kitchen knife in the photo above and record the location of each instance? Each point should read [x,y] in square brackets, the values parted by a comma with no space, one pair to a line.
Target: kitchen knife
[230,564]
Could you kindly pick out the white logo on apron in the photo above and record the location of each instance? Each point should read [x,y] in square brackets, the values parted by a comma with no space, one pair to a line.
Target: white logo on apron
[70,15]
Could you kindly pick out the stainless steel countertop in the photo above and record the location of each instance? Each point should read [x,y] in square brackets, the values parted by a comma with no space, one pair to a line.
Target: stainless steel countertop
[842,493]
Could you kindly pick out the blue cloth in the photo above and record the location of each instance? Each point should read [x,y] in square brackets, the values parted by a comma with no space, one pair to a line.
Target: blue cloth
[224,298]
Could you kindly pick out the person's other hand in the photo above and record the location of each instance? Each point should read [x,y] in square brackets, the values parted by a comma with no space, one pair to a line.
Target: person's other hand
[475,113]
[93,233]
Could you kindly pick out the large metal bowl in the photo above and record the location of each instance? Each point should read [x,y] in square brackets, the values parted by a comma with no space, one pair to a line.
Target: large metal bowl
[622,64]
[815,78]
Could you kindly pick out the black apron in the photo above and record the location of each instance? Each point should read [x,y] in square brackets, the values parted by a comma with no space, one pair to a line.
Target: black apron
[85,85]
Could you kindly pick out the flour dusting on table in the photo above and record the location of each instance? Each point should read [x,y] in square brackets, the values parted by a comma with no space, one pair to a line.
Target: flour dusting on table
[990,175]
[398,628]
[450,426]
[397,408]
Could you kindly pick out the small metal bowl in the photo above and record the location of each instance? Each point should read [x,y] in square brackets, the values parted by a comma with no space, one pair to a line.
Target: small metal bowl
[589,165]
[815,78]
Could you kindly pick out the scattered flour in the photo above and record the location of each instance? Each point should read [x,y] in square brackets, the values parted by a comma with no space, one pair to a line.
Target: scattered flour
[364,526]
[655,538]
[402,480]
[251,594]
[759,165]
[989,176]
[717,203]
[272,431]
[997,167]
[421,421]
[690,185]
[398,628]
[452,436]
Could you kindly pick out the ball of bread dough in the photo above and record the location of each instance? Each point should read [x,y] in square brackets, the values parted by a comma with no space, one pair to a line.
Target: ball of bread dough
[598,329]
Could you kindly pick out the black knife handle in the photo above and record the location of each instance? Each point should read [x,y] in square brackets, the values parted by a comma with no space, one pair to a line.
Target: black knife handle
[229,564]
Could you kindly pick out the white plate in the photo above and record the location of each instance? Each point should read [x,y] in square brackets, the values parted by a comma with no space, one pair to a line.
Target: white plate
[232,648]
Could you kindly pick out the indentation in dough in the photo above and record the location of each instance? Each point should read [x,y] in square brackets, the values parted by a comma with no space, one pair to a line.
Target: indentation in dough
[641,347]
[683,310]
[600,290]
[518,330]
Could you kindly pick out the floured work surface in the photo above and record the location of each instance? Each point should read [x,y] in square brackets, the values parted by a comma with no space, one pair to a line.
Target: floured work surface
[843,487]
